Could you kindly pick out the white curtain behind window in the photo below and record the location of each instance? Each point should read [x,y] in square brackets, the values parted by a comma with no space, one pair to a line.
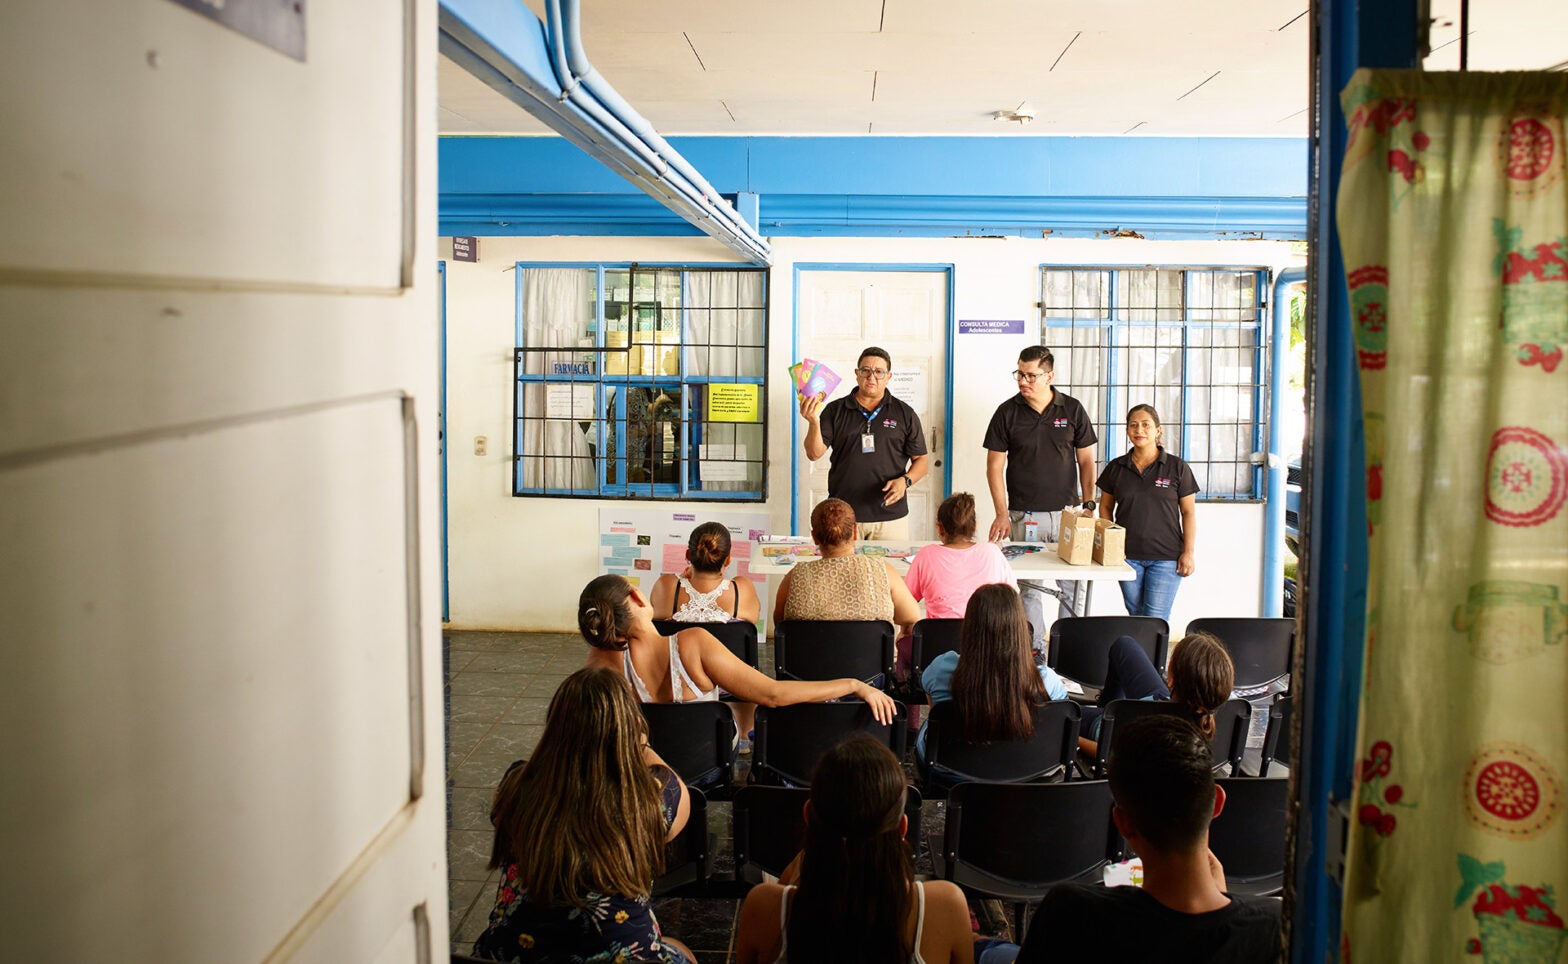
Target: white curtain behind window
[557,313]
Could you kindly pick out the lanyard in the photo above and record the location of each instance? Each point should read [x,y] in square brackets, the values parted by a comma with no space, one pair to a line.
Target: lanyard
[870,416]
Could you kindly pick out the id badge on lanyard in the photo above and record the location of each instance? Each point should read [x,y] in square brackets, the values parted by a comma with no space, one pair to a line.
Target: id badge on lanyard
[868,442]
[1031,528]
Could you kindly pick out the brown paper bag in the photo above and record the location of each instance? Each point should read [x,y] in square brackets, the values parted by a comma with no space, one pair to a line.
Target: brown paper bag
[1110,543]
[1075,537]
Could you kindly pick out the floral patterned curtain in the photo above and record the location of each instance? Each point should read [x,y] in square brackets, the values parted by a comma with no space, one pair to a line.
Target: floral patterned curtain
[1453,218]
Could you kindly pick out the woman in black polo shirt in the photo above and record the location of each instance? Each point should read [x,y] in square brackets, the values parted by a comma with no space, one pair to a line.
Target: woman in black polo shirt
[1153,495]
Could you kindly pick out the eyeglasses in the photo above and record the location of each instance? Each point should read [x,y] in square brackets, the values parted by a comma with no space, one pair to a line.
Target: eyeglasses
[1029,378]
[875,374]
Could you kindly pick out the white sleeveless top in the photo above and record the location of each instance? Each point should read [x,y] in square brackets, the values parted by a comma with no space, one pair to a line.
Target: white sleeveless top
[702,607]
[682,689]
[920,924]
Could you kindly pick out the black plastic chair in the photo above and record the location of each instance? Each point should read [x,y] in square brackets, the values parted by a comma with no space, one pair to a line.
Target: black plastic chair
[1231,722]
[1262,648]
[1248,836]
[769,828]
[738,638]
[686,858]
[818,649]
[932,638]
[790,740]
[1046,755]
[1279,728]
[1014,841]
[1080,646]
[697,740]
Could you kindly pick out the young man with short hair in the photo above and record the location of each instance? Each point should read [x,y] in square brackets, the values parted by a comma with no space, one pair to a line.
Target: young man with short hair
[1039,460]
[1162,779]
[879,449]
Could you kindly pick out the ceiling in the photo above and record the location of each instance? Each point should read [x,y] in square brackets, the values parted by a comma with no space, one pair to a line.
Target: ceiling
[903,67]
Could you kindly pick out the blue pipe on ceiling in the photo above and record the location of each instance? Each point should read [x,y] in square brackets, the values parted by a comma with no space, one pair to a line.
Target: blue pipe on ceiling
[506,47]
[583,74]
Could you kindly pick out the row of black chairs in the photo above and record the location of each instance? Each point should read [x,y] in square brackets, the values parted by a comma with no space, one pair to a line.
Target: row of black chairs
[1011,841]
[1261,648]
[698,741]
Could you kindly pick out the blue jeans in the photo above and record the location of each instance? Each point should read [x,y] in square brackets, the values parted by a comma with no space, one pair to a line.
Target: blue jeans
[1129,675]
[1152,589]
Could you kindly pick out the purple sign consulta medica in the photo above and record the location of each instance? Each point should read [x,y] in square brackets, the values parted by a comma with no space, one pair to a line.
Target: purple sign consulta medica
[970,326]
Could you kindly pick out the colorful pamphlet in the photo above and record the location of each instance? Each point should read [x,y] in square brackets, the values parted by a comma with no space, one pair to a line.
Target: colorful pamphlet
[812,377]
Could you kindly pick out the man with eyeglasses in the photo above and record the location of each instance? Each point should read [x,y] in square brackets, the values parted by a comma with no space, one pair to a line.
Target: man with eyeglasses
[1039,459]
[879,450]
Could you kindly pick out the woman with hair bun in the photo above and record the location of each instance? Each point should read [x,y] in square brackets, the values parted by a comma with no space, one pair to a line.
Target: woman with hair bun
[691,666]
[842,584]
[945,576]
[857,899]
[702,594]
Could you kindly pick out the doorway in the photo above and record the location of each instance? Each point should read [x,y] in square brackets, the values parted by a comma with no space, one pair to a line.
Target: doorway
[905,309]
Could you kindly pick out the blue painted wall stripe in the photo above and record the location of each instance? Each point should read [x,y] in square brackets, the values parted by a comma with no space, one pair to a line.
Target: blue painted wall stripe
[874,166]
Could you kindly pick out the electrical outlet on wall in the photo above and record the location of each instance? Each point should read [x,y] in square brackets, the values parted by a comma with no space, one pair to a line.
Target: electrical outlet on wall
[481,445]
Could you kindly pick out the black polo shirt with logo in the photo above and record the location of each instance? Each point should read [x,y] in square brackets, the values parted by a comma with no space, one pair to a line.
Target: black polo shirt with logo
[857,477]
[1148,503]
[1042,451]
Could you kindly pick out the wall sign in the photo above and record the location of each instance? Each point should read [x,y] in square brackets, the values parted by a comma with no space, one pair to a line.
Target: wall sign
[732,403]
[280,24]
[969,326]
[465,249]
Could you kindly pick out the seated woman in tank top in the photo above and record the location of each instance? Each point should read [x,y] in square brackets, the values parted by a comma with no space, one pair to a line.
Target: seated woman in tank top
[842,584]
[691,666]
[857,898]
[702,594]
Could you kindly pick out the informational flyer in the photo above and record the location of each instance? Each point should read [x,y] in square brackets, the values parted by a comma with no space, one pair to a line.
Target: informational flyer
[643,544]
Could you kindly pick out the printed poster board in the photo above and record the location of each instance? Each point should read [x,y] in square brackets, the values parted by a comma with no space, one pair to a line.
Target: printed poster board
[643,544]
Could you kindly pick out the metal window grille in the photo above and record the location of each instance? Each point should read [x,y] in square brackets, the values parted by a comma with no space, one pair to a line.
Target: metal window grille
[1188,341]
[641,382]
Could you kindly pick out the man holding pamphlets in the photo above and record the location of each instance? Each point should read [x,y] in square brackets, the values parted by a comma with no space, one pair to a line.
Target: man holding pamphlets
[879,449]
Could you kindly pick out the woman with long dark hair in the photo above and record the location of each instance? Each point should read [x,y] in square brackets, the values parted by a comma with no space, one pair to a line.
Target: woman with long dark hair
[857,899]
[580,830]
[992,678]
[1155,496]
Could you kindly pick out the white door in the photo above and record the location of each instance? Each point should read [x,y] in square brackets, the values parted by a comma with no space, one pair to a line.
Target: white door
[905,312]
[219,505]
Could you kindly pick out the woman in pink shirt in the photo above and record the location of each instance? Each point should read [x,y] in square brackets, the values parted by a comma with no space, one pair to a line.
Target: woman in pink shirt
[945,576]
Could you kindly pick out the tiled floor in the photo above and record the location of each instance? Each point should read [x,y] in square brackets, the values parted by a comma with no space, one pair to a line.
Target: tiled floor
[498,688]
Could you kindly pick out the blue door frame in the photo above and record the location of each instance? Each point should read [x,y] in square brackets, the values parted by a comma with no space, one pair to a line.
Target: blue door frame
[794,356]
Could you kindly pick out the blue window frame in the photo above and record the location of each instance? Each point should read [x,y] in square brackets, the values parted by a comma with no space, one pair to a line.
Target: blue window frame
[1187,340]
[640,381]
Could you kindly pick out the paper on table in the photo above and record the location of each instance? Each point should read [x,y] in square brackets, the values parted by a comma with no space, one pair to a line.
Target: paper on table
[1074,687]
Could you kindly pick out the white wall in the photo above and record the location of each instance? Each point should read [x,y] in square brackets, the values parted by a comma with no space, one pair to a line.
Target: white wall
[520,563]
[218,488]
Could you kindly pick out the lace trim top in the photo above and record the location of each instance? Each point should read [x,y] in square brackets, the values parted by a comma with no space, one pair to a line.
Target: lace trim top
[703,607]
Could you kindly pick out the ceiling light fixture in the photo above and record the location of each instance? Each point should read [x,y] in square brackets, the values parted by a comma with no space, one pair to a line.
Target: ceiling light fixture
[1023,113]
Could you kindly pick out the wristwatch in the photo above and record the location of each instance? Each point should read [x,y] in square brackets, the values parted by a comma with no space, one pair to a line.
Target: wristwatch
[1088,505]
[908,482]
